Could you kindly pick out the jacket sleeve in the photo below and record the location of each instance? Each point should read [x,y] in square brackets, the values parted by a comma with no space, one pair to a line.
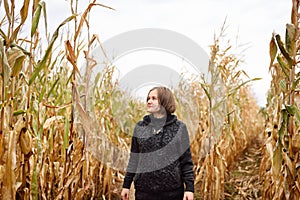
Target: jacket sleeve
[133,161]
[186,162]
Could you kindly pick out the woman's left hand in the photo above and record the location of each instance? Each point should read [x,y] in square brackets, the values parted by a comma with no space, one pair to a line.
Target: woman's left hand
[188,196]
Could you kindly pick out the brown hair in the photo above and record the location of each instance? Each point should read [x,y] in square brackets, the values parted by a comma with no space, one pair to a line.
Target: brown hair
[165,98]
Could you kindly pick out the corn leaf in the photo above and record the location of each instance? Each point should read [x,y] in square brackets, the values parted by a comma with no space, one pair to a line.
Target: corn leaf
[6,69]
[15,60]
[283,51]
[41,64]
[24,14]
[283,66]
[297,114]
[66,135]
[52,87]
[7,11]
[277,160]
[36,18]
[295,83]
[10,176]
[206,91]
[3,35]
[291,109]
[24,11]
[84,16]
[289,163]
[283,123]
[282,85]
[43,89]
[19,112]
[34,182]
[232,91]
[45,17]
[71,56]
[290,36]
[272,51]
[22,49]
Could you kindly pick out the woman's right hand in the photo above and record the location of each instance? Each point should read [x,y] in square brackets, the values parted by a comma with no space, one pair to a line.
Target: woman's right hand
[125,194]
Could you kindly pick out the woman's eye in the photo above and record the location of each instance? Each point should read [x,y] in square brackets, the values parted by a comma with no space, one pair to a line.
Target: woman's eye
[152,98]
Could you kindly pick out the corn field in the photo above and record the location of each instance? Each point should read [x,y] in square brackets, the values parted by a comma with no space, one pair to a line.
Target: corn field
[50,147]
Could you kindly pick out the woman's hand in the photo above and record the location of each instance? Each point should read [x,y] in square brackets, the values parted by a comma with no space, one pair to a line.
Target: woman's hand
[125,194]
[188,196]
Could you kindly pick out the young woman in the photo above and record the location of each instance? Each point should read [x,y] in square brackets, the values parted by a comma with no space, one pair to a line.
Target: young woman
[160,163]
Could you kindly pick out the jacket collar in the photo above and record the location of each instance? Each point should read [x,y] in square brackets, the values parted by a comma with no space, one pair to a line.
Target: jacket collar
[169,119]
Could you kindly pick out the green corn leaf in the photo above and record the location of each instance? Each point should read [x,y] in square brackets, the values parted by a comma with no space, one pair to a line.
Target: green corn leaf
[36,19]
[34,182]
[283,123]
[43,90]
[295,83]
[206,91]
[41,64]
[282,85]
[283,66]
[22,49]
[283,51]
[297,115]
[66,135]
[290,36]
[232,91]
[45,17]
[52,87]
[19,112]
[291,109]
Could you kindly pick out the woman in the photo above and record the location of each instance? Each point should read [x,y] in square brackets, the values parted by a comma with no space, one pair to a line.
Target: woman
[160,163]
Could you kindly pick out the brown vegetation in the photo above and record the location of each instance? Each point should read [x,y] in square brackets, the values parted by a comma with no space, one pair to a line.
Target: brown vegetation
[54,138]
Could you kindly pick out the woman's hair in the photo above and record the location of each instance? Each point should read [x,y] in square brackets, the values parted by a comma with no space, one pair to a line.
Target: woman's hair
[165,98]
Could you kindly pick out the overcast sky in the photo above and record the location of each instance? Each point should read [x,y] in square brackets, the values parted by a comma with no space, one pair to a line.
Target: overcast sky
[253,21]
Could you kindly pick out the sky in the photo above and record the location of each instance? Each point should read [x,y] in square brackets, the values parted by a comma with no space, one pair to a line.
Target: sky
[250,22]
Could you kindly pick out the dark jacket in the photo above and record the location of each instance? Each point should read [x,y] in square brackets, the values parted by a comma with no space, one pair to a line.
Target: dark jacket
[160,158]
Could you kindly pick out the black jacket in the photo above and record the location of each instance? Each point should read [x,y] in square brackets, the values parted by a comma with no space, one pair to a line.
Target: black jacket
[160,158]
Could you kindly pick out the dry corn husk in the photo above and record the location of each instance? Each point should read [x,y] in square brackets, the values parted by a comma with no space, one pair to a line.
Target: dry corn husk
[1,173]
[296,142]
[25,142]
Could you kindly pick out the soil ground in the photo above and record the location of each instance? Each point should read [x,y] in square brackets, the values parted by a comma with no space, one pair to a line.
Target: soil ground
[243,181]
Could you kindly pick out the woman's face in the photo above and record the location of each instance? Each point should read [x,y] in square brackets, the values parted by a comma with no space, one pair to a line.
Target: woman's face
[153,105]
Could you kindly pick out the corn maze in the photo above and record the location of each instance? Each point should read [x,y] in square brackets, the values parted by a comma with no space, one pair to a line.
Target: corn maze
[45,150]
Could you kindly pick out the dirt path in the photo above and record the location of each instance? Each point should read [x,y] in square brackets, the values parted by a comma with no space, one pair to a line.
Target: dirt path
[243,180]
